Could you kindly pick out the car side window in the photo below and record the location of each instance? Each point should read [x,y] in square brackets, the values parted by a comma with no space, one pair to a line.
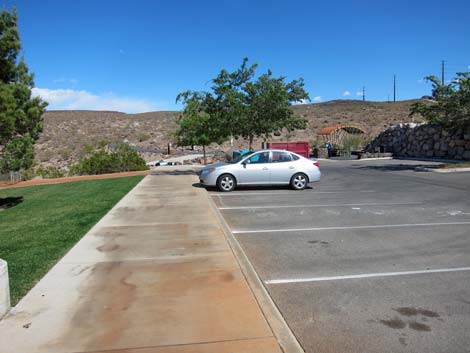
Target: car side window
[296,158]
[258,158]
[280,157]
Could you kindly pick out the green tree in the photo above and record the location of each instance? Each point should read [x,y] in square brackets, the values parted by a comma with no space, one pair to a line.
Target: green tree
[241,105]
[267,107]
[20,114]
[451,106]
[196,126]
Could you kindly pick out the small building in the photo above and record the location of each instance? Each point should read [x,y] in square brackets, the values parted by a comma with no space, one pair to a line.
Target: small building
[336,134]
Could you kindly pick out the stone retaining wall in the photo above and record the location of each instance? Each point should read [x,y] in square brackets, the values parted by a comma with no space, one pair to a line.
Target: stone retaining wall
[425,140]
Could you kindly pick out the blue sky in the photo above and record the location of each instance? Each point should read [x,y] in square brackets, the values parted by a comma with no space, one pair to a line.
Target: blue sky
[137,56]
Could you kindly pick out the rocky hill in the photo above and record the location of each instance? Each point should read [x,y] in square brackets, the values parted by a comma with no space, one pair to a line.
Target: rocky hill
[66,133]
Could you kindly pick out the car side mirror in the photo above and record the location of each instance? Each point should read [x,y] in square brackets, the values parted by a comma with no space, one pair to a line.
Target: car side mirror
[245,162]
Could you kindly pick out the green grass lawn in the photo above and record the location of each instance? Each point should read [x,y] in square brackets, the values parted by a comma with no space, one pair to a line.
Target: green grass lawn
[39,224]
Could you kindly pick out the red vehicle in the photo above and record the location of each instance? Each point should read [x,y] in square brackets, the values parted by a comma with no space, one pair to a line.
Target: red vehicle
[302,148]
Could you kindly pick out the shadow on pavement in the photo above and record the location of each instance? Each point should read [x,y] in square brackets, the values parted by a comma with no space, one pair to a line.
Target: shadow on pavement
[174,172]
[396,167]
[251,188]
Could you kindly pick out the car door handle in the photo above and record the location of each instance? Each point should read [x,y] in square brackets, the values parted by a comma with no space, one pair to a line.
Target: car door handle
[291,167]
[265,168]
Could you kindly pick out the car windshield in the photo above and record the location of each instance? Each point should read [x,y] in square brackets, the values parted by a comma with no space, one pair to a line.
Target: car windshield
[242,156]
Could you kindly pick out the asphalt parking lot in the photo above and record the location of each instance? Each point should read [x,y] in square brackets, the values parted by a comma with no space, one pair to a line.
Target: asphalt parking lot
[374,258]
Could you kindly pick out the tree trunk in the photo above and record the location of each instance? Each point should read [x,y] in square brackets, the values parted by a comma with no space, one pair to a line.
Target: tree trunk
[251,142]
[204,153]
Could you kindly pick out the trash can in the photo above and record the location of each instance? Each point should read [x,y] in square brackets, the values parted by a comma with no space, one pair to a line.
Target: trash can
[238,153]
[315,152]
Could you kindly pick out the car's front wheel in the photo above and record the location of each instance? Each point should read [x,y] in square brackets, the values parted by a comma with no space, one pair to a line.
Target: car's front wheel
[226,183]
[299,181]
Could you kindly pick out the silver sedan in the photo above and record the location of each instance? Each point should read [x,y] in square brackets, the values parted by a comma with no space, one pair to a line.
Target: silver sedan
[264,167]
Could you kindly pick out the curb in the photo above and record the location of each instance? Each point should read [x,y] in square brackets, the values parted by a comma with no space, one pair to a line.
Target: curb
[284,335]
[355,160]
[375,159]
[442,170]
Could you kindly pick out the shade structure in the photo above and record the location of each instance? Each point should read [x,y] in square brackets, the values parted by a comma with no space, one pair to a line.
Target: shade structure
[336,133]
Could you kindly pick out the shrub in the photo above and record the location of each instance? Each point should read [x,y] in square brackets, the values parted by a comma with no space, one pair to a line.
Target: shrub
[352,142]
[17,154]
[141,137]
[28,174]
[101,161]
[49,172]
[65,153]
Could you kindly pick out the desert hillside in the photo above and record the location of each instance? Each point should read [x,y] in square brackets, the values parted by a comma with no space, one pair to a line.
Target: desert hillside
[67,132]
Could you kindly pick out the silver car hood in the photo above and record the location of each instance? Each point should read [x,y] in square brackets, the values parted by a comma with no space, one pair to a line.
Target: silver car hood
[215,165]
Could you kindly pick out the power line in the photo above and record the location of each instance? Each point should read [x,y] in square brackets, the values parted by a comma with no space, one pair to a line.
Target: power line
[443,65]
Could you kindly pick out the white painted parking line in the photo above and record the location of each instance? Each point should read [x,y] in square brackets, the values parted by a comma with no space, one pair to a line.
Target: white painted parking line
[288,193]
[350,227]
[365,275]
[322,205]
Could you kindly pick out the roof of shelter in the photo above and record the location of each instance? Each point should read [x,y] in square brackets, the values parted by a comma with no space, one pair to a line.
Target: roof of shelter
[329,130]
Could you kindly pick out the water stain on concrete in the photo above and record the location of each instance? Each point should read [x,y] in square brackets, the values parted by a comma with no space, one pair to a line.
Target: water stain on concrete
[417,326]
[108,247]
[78,270]
[228,277]
[410,311]
[318,242]
[395,323]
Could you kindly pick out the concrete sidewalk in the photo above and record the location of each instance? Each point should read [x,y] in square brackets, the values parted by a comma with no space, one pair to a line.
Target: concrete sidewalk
[156,274]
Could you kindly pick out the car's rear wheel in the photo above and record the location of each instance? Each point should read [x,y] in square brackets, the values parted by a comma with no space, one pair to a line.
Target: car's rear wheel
[226,183]
[299,181]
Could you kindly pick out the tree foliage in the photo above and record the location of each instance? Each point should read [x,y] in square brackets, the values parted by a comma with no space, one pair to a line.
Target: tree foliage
[20,113]
[451,106]
[240,105]
[199,124]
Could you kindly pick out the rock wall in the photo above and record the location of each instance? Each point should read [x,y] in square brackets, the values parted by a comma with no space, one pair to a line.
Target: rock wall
[424,140]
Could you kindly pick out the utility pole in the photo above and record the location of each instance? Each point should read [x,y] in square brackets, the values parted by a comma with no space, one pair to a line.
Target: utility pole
[394,88]
[443,65]
[363,93]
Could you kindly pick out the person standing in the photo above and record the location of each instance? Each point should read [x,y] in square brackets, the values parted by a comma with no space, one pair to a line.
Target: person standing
[329,147]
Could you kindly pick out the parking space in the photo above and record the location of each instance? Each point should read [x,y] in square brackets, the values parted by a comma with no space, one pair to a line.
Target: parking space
[374,258]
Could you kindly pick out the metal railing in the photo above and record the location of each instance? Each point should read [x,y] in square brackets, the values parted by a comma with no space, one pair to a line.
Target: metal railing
[13,177]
